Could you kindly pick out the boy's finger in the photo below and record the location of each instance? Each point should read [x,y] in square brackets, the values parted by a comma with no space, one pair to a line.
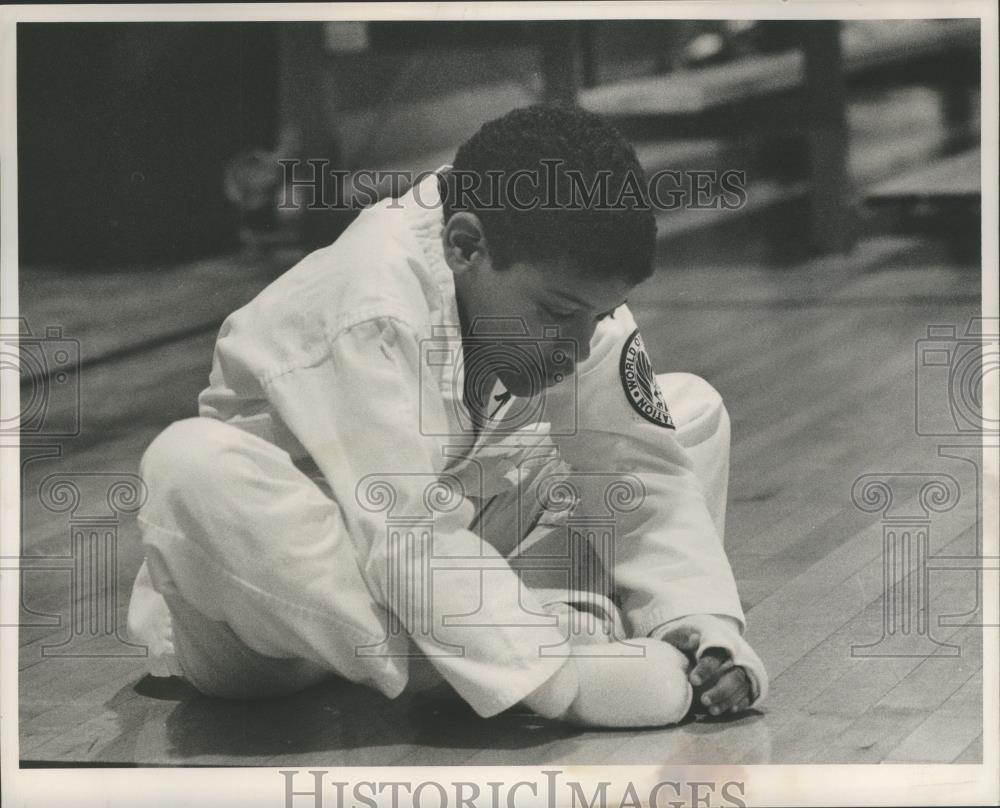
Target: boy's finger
[739,703]
[727,705]
[707,670]
[733,687]
[684,639]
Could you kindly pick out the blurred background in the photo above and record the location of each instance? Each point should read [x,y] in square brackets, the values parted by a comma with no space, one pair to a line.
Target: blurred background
[150,142]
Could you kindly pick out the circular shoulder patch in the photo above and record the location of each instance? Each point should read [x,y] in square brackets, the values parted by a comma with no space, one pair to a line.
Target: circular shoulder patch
[639,383]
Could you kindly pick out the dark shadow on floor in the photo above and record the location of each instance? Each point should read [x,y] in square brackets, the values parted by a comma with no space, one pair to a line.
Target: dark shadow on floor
[339,715]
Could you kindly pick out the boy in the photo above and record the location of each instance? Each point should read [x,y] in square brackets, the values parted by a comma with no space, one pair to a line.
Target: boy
[435,453]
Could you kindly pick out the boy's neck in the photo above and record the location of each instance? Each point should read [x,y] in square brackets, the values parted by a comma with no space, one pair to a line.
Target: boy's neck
[477,390]
[478,386]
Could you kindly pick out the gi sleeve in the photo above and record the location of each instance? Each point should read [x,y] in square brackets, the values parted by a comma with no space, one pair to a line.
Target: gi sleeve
[667,561]
[366,414]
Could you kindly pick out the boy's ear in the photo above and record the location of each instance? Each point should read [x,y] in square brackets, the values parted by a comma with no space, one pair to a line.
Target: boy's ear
[464,240]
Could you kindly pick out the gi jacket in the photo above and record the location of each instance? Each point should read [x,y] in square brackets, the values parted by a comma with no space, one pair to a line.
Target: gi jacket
[348,362]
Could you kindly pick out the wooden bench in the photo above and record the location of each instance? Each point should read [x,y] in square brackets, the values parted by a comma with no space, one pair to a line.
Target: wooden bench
[802,93]
[953,180]
[943,198]
[695,92]
[799,94]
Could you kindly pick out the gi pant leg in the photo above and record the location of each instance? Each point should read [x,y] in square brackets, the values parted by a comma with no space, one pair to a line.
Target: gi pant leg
[251,585]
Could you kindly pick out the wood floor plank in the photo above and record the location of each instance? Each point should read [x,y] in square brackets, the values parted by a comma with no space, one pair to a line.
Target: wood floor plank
[70,714]
[973,753]
[946,732]
[829,681]
[880,728]
[780,558]
[803,490]
[209,288]
[795,726]
[823,598]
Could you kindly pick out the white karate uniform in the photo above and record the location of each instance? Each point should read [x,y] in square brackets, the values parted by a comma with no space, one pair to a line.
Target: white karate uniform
[329,512]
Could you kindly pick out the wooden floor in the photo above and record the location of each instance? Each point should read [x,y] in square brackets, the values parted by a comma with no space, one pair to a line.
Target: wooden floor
[816,361]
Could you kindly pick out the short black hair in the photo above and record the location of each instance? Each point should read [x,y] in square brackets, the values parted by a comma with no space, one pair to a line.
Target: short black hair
[581,197]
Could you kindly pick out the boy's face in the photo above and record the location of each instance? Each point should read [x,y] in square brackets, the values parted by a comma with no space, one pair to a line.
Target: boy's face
[530,324]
